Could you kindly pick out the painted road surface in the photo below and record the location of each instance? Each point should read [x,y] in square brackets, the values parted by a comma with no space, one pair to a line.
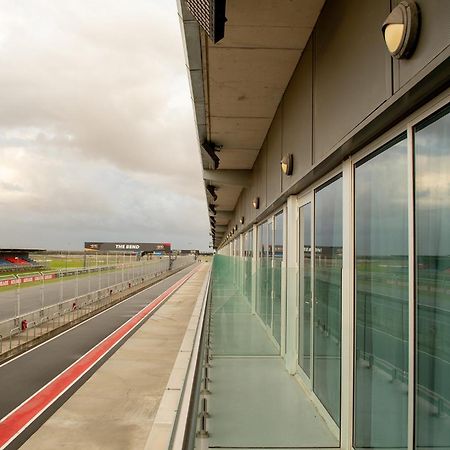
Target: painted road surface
[37,383]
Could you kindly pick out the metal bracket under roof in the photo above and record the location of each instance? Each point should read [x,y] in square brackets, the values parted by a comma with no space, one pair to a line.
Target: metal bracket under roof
[212,209]
[210,14]
[234,177]
[211,190]
[211,148]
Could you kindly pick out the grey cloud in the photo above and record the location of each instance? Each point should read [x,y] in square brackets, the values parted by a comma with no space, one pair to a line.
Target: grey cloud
[96,124]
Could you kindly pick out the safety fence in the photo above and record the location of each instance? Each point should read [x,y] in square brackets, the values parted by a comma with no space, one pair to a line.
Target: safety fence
[15,279]
[20,329]
[18,294]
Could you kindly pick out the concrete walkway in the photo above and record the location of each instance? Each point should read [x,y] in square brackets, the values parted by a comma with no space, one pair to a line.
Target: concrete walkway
[116,407]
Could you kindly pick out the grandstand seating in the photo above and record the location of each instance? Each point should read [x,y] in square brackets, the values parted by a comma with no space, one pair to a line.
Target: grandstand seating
[4,263]
[17,261]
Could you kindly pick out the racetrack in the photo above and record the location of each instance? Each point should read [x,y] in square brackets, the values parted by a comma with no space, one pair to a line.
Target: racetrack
[35,296]
[27,374]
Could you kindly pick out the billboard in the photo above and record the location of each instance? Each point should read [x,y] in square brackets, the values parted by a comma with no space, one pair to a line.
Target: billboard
[135,247]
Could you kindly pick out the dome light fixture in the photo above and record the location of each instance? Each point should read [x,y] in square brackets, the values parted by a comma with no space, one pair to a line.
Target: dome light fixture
[401,29]
[287,163]
[255,203]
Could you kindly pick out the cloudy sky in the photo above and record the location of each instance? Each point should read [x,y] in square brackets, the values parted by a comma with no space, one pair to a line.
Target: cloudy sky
[97,136]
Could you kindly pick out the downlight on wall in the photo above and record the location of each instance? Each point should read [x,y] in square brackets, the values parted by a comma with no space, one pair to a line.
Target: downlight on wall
[401,29]
[287,163]
[241,220]
[255,203]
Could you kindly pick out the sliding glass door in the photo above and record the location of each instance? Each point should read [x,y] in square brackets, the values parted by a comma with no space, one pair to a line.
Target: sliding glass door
[278,253]
[305,289]
[381,297]
[327,296]
[402,290]
[320,228]
[432,287]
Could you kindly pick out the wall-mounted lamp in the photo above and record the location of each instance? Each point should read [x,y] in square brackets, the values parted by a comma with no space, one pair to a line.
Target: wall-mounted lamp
[287,163]
[255,203]
[235,228]
[241,220]
[401,29]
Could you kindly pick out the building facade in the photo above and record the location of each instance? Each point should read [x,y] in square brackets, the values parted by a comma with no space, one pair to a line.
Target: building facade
[327,176]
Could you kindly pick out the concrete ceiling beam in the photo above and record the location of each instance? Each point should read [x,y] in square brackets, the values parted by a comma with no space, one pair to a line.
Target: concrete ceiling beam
[224,215]
[234,177]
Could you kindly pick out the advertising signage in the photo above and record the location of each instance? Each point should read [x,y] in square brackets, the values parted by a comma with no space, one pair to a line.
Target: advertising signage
[135,247]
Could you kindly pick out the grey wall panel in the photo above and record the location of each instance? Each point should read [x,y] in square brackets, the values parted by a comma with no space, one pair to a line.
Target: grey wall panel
[297,118]
[274,143]
[352,68]
[251,193]
[242,208]
[260,168]
[239,211]
[344,75]
[262,179]
[433,39]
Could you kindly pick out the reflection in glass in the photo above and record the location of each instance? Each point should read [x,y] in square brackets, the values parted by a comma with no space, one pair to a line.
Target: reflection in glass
[432,213]
[381,278]
[277,275]
[248,260]
[305,294]
[327,304]
[262,271]
[269,275]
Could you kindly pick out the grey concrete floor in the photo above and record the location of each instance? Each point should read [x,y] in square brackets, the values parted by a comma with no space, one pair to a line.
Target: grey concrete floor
[255,403]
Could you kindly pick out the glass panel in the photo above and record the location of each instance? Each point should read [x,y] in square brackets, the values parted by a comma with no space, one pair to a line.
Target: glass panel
[381,286]
[268,315]
[248,266]
[305,294]
[327,288]
[432,178]
[277,276]
[254,403]
[262,271]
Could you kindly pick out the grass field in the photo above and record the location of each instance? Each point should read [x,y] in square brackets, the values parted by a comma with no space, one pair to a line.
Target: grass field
[64,263]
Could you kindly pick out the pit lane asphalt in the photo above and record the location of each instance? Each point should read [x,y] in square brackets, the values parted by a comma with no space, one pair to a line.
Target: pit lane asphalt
[26,374]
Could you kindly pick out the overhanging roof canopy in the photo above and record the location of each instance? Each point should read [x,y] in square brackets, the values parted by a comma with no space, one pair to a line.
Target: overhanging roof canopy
[237,83]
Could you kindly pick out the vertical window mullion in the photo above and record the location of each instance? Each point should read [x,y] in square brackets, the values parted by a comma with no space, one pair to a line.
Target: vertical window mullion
[348,299]
[411,291]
